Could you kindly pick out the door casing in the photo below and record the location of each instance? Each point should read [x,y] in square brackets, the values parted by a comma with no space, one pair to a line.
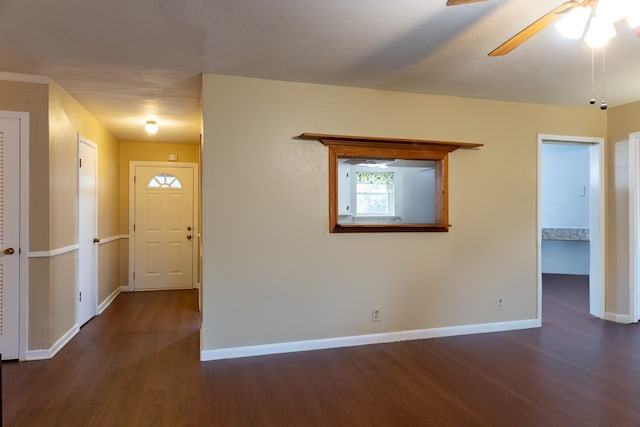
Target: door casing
[634,226]
[23,250]
[596,219]
[196,230]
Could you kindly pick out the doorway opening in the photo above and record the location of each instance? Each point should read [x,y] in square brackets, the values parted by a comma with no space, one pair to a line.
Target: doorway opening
[571,217]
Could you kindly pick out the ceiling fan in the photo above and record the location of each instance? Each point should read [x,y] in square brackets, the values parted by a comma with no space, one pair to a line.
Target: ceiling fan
[587,9]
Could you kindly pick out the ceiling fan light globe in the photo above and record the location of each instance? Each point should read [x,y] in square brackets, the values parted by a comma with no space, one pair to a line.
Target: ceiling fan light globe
[613,10]
[599,33]
[573,24]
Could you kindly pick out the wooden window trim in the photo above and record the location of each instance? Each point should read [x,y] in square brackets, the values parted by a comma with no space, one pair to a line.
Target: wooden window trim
[389,148]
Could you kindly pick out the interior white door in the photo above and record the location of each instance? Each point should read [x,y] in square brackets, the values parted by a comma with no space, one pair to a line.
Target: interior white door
[9,236]
[87,232]
[163,227]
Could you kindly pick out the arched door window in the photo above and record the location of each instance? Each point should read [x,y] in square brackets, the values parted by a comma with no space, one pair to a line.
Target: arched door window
[164,180]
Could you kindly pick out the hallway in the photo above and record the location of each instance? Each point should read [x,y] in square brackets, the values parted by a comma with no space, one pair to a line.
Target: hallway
[124,367]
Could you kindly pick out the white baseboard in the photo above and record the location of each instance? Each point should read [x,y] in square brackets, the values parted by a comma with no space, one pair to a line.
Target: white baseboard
[108,300]
[48,353]
[319,344]
[619,318]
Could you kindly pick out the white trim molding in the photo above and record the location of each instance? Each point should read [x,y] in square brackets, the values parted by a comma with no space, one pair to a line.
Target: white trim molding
[54,252]
[108,300]
[320,344]
[110,239]
[71,248]
[619,318]
[634,226]
[48,353]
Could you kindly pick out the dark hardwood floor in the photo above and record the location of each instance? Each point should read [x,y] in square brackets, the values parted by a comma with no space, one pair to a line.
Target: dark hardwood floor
[137,365]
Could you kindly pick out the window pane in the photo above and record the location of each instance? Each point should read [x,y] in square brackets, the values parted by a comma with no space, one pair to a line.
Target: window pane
[372,204]
[375,188]
[164,180]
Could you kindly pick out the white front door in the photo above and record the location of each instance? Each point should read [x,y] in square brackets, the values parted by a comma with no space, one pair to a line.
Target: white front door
[87,232]
[9,236]
[164,227]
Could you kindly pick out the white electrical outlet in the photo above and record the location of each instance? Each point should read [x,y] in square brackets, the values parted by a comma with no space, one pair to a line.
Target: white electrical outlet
[500,303]
[375,315]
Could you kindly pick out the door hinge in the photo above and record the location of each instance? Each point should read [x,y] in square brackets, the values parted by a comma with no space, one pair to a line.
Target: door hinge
[134,275]
[134,227]
[134,179]
[80,296]
[80,161]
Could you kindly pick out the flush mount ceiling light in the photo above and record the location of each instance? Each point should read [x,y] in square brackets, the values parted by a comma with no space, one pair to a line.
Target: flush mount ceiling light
[151,127]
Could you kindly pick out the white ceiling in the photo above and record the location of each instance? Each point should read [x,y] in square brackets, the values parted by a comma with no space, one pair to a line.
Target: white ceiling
[124,60]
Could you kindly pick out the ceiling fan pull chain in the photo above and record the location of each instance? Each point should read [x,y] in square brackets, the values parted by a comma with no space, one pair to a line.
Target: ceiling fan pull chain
[603,104]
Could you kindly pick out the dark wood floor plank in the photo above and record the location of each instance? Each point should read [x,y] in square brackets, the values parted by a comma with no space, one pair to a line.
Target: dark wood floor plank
[137,365]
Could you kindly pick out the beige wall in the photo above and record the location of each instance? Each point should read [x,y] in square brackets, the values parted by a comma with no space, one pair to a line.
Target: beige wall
[34,98]
[39,331]
[55,119]
[272,272]
[67,119]
[150,152]
[621,121]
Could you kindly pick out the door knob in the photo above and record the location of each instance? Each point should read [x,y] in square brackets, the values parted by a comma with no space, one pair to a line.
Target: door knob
[9,251]
[96,240]
[188,236]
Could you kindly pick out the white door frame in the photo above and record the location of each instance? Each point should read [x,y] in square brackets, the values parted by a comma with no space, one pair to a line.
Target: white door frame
[634,226]
[596,218]
[94,273]
[196,201]
[23,252]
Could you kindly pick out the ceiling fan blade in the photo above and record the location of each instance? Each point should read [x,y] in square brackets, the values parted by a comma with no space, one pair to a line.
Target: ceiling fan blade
[457,2]
[535,28]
